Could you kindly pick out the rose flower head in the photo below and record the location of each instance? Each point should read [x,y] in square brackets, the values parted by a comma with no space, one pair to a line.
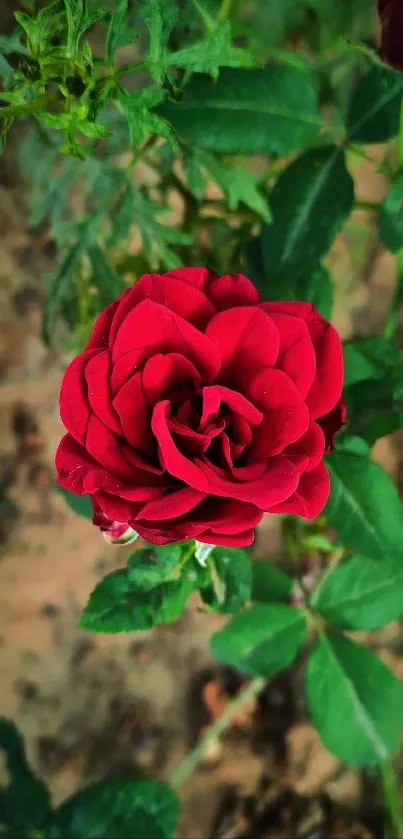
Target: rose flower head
[195,408]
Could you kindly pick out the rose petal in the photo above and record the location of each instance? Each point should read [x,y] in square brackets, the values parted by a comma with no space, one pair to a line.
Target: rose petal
[231,290]
[328,382]
[101,331]
[247,340]
[331,423]
[239,540]
[296,353]
[79,473]
[215,395]
[310,497]
[311,445]
[75,408]
[285,416]
[151,328]
[278,482]
[171,505]
[172,292]
[107,450]
[135,415]
[173,460]
[97,373]
[165,372]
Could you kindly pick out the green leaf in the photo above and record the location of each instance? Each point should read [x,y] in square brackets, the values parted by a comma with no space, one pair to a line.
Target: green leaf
[233,569]
[149,567]
[239,185]
[75,14]
[106,279]
[215,51]
[364,507]
[373,115]
[193,173]
[80,504]
[25,802]
[374,112]
[119,33]
[375,406]
[62,280]
[360,593]
[135,105]
[309,203]
[119,808]
[355,701]
[316,288]
[390,220]
[117,604]
[261,640]
[368,357]
[274,110]
[160,17]
[269,583]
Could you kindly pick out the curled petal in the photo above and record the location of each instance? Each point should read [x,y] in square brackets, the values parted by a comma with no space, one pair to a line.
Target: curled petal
[247,340]
[285,416]
[231,290]
[310,497]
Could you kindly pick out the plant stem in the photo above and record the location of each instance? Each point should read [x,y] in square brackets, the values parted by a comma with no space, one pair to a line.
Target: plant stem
[131,68]
[391,796]
[225,9]
[208,21]
[368,205]
[191,761]
[27,107]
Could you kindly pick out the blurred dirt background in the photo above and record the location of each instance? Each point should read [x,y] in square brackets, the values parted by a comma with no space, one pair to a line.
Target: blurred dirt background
[96,706]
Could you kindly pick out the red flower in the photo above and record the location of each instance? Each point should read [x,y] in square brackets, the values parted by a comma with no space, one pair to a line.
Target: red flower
[195,408]
[391,17]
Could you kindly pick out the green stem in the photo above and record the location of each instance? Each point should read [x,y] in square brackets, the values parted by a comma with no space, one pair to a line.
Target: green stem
[131,68]
[225,9]
[40,104]
[191,761]
[208,21]
[368,205]
[391,796]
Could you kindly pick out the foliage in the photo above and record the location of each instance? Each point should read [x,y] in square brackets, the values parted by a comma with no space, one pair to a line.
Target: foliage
[253,142]
[117,807]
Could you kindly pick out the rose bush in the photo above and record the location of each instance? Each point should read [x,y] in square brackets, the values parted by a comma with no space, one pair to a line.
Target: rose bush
[195,408]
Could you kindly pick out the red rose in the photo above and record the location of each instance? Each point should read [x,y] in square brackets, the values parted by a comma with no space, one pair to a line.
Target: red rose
[195,408]
[391,17]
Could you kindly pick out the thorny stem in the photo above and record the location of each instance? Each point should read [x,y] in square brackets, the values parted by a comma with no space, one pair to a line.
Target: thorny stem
[193,758]
[391,796]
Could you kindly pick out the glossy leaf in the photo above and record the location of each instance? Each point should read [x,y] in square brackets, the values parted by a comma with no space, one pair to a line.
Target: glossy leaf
[75,14]
[231,585]
[309,203]
[373,115]
[391,217]
[364,507]
[355,701]
[368,357]
[117,604]
[119,808]
[150,566]
[261,640]
[274,110]
[361,594]
[25,801]
[375,406]
[269,583]
[80,504]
